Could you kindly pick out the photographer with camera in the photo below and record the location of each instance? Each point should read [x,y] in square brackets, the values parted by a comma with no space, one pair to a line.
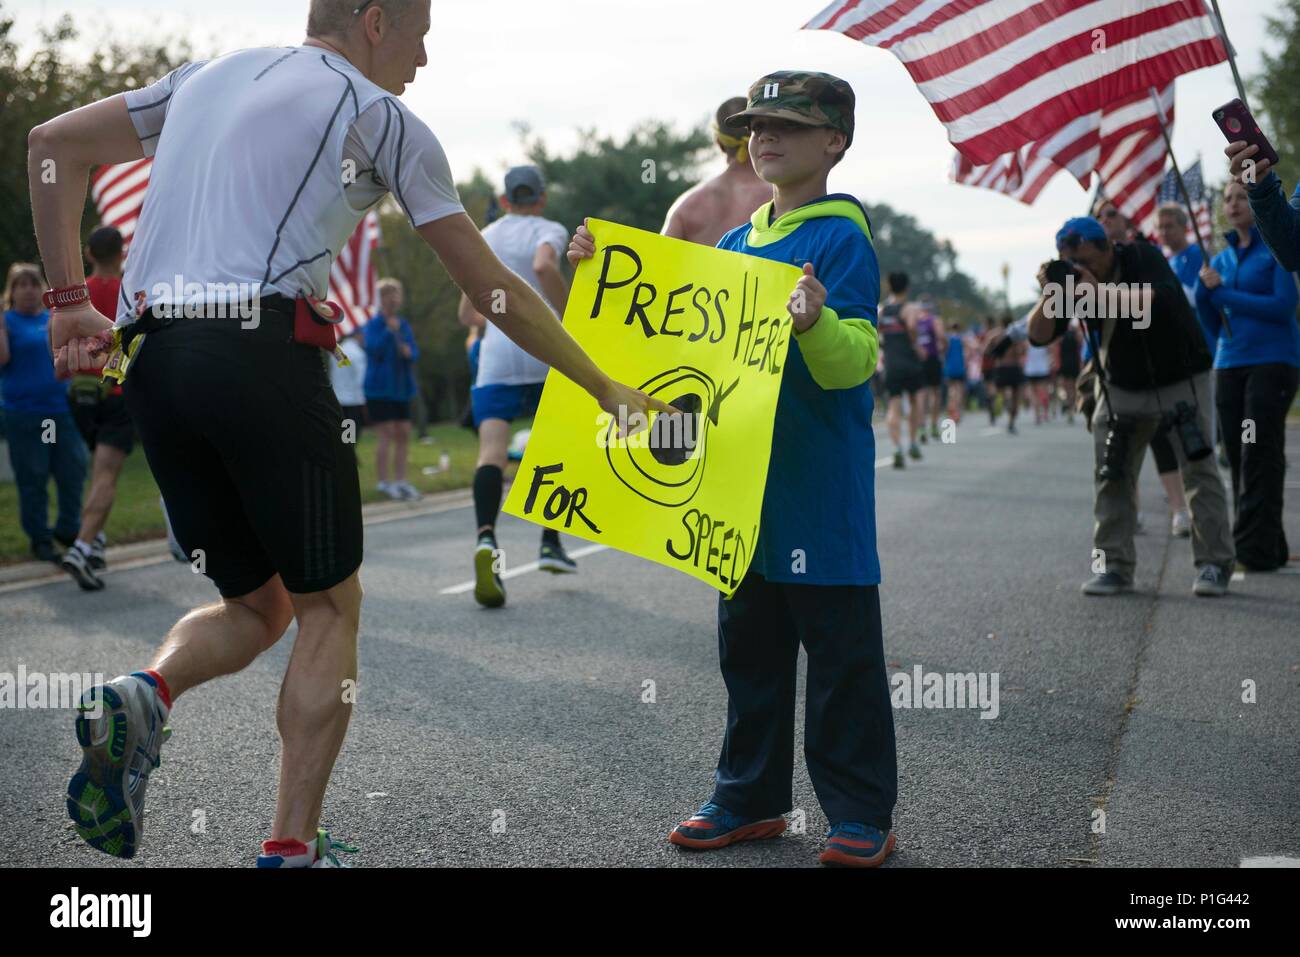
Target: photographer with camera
[1153,370]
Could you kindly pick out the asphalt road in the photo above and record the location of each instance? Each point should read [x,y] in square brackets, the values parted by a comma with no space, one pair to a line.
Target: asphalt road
[520,736]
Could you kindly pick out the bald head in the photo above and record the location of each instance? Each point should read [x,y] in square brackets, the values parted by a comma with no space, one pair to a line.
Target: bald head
[334,18]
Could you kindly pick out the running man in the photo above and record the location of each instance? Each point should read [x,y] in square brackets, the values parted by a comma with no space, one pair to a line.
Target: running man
[1008,371]
[954,371]
[508,384]
[1038,372]
[102,419]
[704,213]
[929,334]
[236,415]
[902,367]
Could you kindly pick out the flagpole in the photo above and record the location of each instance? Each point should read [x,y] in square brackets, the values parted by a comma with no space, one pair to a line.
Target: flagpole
[1187,199]
[1232,55]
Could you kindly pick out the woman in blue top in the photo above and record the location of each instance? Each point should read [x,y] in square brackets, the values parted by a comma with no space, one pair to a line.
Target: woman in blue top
[1257,372]
[43,437]
[390,386]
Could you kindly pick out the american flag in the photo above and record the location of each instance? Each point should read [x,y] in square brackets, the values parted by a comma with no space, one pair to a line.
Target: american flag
[118,195]
[1201,199]
[1003,74]
[1088,143]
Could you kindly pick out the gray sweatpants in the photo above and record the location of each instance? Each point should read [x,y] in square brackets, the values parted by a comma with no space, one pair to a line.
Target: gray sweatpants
[1115,501]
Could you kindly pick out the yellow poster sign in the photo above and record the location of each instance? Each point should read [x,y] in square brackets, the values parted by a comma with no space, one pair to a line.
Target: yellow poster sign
[704,330]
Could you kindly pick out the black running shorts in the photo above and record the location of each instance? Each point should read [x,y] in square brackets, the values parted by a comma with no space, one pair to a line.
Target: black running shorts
[245,438]
[902,377]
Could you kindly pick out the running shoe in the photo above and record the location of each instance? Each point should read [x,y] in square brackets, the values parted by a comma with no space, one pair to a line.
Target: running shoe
[98,550]
[1181,525]
[1011,429]
[1107,583]
[323,852]
[328,850]
[850,844]
[915,451]
[408,491]
[899,461]
[555,560]
[713,826]
[934,432]
[489,590]
[923,437]
[77,564]
[1211,582]
[390,489]
[121,732]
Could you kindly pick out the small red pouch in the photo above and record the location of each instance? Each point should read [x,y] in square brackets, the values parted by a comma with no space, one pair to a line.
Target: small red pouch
[310,328]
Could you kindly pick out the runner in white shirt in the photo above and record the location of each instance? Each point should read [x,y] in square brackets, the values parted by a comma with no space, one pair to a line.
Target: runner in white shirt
[509,381]
[265,160]
[1038,371]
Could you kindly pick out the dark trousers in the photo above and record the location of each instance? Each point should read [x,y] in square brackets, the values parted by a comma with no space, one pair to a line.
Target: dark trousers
[42,447]
[1260,394]
[849,723]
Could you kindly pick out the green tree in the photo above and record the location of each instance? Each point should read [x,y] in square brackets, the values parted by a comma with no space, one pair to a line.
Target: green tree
[904,245]
[51,81]
[1277,88]
[631,181]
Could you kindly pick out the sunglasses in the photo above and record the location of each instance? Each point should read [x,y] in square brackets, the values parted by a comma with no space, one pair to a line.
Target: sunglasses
[359,10]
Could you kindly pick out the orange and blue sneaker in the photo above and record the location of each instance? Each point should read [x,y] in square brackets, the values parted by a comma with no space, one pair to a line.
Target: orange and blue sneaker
[713,826]
[851,844]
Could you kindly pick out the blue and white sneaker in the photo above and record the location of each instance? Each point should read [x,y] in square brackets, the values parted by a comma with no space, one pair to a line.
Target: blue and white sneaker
[121,730]
[713,826]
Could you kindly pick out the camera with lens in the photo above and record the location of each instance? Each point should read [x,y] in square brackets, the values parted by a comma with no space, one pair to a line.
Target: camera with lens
[1058,270]
[1119,436]
[1189,432]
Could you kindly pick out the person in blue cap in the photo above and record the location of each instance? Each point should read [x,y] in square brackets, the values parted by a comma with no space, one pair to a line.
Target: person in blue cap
[1154,370]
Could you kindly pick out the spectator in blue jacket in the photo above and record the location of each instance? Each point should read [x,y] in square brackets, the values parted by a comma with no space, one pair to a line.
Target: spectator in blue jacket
[43,438]
[1258,369]
[390,385]
[1279,223]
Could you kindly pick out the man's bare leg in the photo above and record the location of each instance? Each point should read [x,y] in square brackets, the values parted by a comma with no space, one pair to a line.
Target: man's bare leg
[313,710]
[894,418]
[383,438]
[223,638]
[105,469]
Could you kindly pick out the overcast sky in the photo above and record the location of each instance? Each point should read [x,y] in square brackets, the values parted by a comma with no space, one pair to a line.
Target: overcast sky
[610,63]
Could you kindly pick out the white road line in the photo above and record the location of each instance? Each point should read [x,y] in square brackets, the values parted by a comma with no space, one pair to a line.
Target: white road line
[991,431]
[1239,576]
[521,570]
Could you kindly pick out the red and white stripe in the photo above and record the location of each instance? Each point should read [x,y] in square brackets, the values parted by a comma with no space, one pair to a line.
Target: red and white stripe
[118,195]
[1001,74]
[1086,144]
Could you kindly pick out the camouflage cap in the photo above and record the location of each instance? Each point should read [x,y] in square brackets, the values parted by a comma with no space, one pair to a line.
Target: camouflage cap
[815,99]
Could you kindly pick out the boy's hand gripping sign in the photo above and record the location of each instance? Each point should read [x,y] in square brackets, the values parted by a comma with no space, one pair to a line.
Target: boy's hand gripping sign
[702,329]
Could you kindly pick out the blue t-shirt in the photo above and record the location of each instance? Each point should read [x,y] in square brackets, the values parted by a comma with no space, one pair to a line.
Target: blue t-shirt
[1260,298]
[818,524]
[955,364]
[390,377]
[27,382]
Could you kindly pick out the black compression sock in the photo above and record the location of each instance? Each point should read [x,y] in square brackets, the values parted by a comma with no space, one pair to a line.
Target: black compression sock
[487,495]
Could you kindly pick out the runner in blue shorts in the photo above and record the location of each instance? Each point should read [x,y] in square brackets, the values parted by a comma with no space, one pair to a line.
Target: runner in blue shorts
[508,381]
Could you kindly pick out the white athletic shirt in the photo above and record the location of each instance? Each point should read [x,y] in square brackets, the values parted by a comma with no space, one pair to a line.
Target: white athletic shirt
[515,240]
[1038,361]
[349,381]
[264,162]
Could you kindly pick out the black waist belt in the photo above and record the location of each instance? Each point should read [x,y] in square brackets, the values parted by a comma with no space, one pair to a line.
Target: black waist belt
[274,315]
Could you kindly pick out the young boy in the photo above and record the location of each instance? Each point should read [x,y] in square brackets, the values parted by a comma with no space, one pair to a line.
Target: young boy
[815,575]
